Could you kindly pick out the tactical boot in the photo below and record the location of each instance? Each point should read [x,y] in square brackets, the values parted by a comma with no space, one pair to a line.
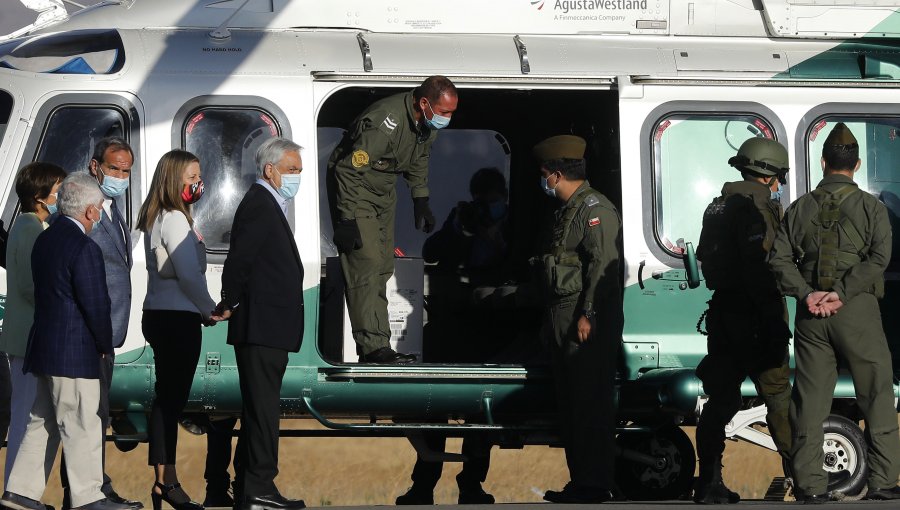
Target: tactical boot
[416,496]
[710,489]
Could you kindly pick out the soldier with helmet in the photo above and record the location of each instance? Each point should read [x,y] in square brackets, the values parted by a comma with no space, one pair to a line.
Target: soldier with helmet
[581,280]
[830,253]
[747,317]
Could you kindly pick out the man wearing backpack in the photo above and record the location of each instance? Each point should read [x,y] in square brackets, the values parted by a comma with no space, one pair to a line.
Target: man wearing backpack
[830,254]
[747,318]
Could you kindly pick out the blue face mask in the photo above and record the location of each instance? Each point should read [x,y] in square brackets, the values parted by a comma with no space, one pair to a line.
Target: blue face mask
[497,209]
[51,208]
[112,186]
[776,195]
[436,121]
[546,187]
[290,183]
[96,223]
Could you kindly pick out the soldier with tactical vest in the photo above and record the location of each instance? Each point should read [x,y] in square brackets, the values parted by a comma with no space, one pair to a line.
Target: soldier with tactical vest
[391,137]
[747,316]
[830,253]
[582,288]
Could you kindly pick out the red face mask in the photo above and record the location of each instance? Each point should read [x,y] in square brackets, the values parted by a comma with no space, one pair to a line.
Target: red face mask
[192,192]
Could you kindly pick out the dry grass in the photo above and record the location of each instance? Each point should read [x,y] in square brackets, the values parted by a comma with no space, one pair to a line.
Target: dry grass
[374,471]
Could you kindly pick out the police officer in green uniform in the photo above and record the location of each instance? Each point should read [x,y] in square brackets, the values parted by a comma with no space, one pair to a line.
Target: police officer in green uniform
[581,280]
[747,317]
[830,253]
[391,137]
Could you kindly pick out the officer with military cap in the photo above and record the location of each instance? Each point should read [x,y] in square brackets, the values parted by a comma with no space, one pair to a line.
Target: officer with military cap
[581,284]
[830,253]
[747,317]
[391,137]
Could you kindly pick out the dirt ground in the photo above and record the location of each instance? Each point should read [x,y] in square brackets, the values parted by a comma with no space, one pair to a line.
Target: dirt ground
[375,471]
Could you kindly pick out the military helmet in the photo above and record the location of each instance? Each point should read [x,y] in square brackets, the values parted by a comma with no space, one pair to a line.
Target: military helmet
[761,156]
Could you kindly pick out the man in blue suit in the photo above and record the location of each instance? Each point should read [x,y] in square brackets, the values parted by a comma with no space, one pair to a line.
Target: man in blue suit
[72,331]
[111,166]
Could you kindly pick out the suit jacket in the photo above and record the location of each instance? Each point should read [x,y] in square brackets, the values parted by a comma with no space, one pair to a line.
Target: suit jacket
[71,327]
[116,249]
[263,276]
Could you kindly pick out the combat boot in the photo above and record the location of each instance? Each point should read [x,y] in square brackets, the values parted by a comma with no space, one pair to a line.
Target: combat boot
[710,489]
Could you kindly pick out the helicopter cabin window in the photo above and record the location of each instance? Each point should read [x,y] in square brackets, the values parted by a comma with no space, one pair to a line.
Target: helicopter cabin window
[75,52]
[691,153]
[225,139]
[72,132]
[6,104]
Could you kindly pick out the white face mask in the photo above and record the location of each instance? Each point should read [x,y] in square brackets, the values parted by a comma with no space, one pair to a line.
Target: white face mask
[545,185]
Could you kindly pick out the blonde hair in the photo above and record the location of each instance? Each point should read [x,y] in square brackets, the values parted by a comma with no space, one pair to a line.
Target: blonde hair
[165,189]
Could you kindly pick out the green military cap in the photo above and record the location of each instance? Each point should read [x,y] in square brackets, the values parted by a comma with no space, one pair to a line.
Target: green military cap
[560,147]
[840,135]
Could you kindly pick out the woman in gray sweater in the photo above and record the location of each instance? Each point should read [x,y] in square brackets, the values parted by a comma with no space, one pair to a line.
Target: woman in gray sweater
[177,305]
[36,186]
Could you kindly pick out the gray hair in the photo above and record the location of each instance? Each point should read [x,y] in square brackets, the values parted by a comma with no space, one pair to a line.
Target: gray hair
[78,191]
[271,151]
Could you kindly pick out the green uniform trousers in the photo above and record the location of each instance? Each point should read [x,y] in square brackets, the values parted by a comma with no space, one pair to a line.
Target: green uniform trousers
[740,345]
[855,336]
[584,374]
[366,272]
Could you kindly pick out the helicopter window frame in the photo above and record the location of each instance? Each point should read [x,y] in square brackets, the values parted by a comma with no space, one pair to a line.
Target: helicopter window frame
[226,103]
[652,173]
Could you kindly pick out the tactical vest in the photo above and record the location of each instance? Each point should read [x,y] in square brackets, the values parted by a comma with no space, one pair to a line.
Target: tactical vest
[562,268]
[716,249]
[841,246]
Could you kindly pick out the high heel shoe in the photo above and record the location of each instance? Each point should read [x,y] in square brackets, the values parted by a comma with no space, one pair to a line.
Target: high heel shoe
[178,503]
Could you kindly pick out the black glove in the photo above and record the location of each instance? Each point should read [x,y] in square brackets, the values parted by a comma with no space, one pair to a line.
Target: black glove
[423,217]
[346,236]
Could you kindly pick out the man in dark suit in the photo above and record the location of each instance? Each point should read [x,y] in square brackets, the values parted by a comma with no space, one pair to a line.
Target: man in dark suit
[71,332]
[262,294]
[111,165]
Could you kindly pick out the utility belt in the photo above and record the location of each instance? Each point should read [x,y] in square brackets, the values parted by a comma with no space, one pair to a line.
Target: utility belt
[827,284]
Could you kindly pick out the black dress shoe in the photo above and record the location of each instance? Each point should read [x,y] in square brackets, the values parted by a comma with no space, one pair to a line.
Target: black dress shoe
[13,501]
[573,494]
[114,497]
[103,504]
[884,494]
[387,356]
[271,502]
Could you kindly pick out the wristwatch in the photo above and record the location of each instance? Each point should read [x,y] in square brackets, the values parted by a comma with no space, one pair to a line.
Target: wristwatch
[588,314]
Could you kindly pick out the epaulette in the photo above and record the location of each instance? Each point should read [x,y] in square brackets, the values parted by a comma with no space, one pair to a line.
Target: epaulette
[591,200]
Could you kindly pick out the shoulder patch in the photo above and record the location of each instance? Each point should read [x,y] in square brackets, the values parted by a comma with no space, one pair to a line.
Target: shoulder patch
[360,158]
[593,222]
[591,201]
